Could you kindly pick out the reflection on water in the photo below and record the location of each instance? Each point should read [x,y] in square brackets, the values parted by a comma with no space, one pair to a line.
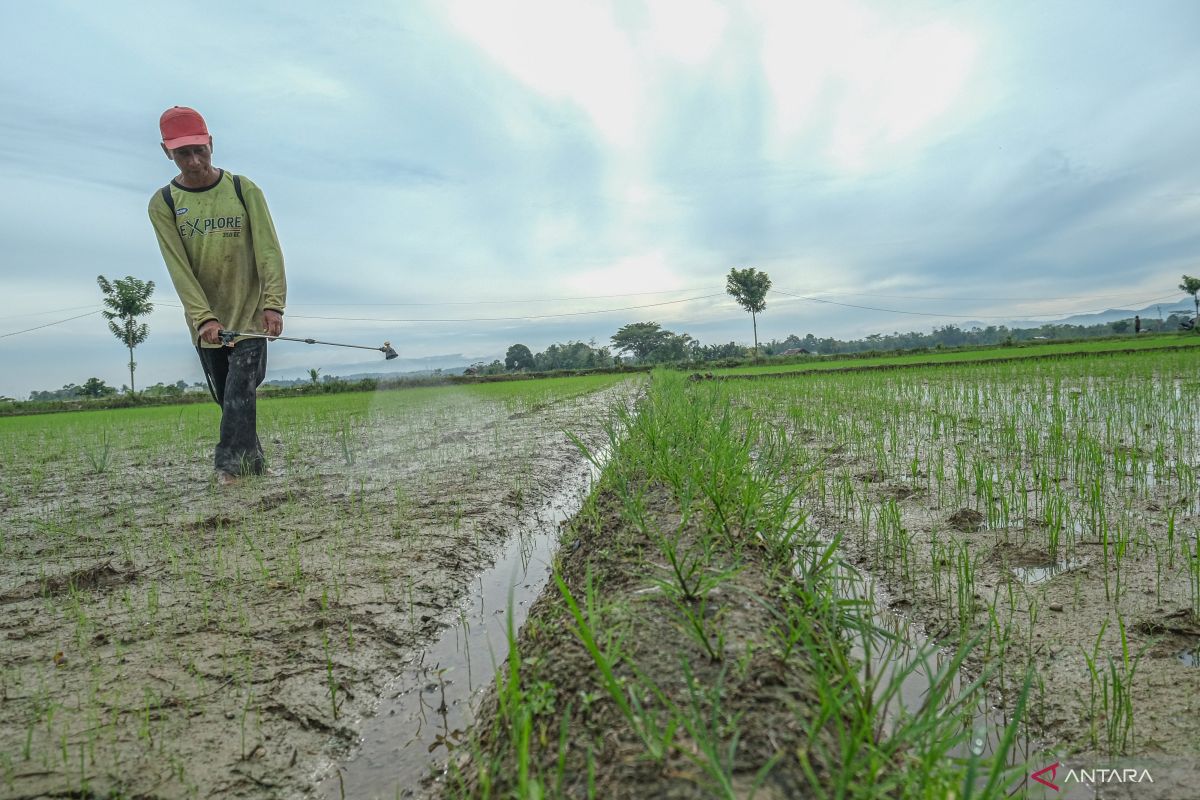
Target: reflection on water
[1044,572]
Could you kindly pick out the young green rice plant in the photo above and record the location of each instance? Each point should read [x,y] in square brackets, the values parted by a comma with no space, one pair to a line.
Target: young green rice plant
[966,603]
[1193,565]
[1120,546]
[99,455]
[1112,687]
[937,561]
[520,702]
[1094,685]
[708,727]
[656,735]
[872,727]
[257,554]
[348,453]
[700,622]
[331,681]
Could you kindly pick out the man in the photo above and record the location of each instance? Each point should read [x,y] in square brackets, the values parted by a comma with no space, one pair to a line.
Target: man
[221,251]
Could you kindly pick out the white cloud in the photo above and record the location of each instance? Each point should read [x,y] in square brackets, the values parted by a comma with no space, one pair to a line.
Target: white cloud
[570,51]
[644,272]
[688,31]
[859,84]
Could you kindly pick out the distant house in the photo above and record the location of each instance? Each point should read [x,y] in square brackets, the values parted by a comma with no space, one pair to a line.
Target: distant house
[795,351]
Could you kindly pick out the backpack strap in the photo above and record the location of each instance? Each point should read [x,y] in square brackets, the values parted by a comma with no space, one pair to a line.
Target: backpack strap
[237,187]
[169,198]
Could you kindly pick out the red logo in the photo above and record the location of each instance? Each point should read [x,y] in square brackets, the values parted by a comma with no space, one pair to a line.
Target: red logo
[1053,770]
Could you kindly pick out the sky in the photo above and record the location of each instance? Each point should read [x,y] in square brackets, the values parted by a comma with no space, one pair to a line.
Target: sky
[456,177]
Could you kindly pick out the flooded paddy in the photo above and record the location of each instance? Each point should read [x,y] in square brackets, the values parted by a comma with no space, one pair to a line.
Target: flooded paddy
[165,636]
[972,581]
[930,582]
[1047,512]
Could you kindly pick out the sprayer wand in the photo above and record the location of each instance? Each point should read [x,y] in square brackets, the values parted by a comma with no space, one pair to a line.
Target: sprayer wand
[227,338]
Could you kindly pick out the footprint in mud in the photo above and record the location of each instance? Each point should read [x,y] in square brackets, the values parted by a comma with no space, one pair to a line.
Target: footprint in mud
[1178,636]
[967,520]
[95,578]
[273,501]
[209,523]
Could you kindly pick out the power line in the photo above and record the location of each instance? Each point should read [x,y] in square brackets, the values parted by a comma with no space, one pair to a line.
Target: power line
[48,324]
[971,299]
[501,302]
[953,316]
[511,319]
[44,313]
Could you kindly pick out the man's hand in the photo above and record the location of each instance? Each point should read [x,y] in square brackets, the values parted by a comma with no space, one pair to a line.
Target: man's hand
[211,332]
[272,322]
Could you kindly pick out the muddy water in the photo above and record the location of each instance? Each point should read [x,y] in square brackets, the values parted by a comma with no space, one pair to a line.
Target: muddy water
[427,708]
[1191,657]
[901,651]
[1031,576]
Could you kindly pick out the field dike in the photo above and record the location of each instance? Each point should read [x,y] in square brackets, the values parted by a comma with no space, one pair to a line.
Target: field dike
[166,637]
[699,640]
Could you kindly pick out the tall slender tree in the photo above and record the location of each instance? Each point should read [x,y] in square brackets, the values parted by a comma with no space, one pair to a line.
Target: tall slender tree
[749,287]
[127,299]
[1192,286]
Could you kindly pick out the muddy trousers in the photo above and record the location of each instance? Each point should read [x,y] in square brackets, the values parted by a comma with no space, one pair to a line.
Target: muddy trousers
[234,374]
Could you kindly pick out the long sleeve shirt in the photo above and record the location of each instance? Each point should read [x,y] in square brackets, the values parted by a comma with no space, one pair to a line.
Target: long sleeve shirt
[224,258]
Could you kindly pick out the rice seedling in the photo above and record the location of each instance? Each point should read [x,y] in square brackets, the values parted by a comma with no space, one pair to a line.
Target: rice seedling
[98,456]
[1193,567]
[656,734]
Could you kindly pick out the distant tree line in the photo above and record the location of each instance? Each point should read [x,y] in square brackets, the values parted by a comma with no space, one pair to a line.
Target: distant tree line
[954,336]
[94,387]
[650,343]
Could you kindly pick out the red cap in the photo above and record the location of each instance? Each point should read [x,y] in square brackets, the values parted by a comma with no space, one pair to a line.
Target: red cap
[182,126]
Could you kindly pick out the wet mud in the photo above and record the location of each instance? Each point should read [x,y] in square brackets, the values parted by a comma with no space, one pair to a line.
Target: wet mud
[164,636]
[426,712]
[1110,645]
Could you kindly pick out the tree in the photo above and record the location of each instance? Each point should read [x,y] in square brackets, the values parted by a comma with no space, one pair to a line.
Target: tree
[127,299]
[640,338]
[571,355]
[749,287]
[1192,286]
[314,374]
[675,347]
[94,387]
[518,357]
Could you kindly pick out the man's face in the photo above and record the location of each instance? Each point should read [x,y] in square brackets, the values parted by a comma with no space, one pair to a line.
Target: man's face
[194,161]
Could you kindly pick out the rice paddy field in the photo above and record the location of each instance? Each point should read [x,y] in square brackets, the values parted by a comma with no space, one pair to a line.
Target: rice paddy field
[970,355]
[163,636]
[963,580]
[931,582]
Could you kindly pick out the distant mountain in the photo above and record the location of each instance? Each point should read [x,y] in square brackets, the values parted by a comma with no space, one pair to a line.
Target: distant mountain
[1148,314]
[452,363]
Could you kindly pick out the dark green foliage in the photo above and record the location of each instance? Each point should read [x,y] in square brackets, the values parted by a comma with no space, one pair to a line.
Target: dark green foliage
[640,338]
[518,357]
[94,387]
[749,287]
[1192,286]
[127,299]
